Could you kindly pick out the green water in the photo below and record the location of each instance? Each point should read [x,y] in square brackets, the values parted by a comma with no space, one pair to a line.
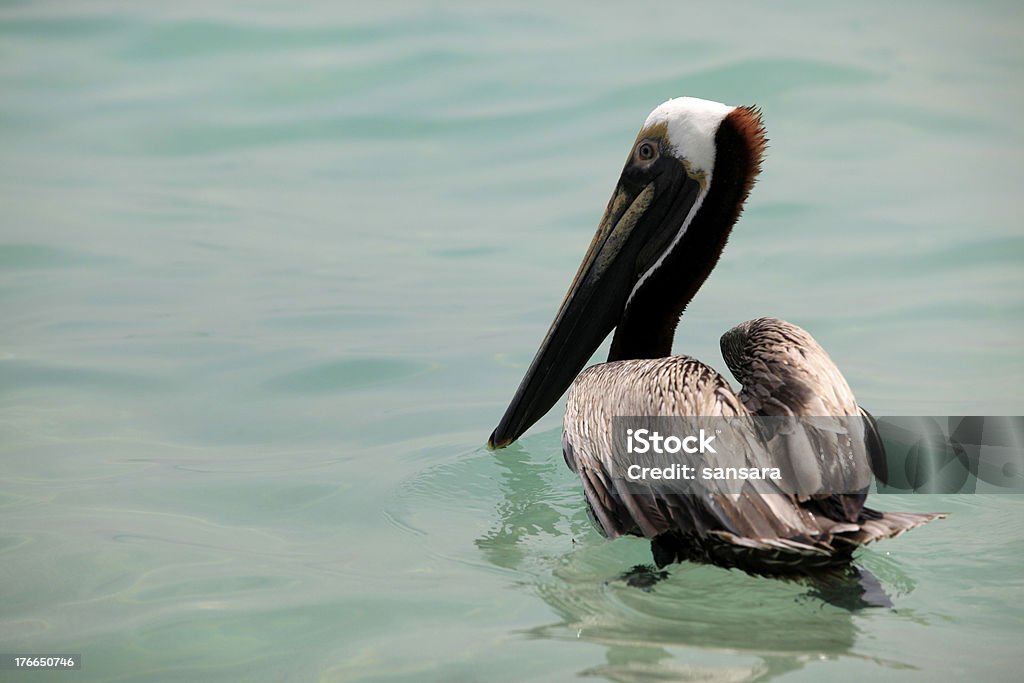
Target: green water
[270,272]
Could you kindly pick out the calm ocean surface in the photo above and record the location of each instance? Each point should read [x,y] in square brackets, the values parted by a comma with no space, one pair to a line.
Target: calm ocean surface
[270,272]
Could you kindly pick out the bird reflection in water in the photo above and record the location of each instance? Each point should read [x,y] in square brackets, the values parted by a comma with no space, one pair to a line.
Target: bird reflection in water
[685,623]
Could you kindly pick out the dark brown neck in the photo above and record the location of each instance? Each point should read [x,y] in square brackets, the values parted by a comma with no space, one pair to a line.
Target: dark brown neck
[649,322]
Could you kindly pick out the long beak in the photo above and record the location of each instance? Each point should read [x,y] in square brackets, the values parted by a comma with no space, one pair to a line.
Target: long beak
[595,301]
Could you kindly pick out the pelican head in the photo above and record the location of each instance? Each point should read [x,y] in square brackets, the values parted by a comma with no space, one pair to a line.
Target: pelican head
[681,190]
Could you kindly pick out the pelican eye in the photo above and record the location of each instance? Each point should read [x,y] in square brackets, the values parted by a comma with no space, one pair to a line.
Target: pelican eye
[646,151]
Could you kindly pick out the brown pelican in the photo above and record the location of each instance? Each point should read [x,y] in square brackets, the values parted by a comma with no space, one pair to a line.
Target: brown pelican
[681,190]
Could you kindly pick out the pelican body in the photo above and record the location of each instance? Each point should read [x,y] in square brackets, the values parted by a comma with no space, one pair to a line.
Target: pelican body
[681,191]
